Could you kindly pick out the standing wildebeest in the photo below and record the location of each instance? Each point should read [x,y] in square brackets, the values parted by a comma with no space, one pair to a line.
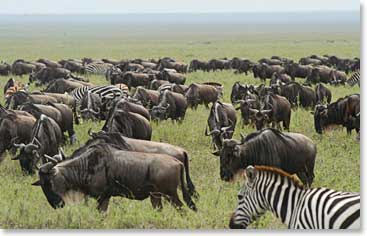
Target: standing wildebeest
[201,94]
[278,78]
[196,64]
[21,97]
[338,77]
[173,77]
[14,127]
[169,63]
[99,173]
[155,84]
[129,124]
[48,74]
[270,62]
[134,79]
[307,97]
[219,64]
[74,66]
[245,106]
[65,85]
[60,113]
[49,63]
[21,67]
[177,88]
[291,152]
[172,105]
[222,122]
[265,71]
[278,109]
[90,107]
[123,104]
[46,138]
[138,145]
[239,91]
[5,68]
[149,98]
[322,93]
[340,112]
[299,71]
[320,74]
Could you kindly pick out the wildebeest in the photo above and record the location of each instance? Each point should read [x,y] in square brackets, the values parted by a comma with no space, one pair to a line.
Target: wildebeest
[320,74]
[245,106]
[177,88]
[123,104]
[265,71]
[322,93]
[201,94]
[5,68]
[196,64]
[22,97]
[60,113]
[46,138]
[134,79]
[307,97]
[138,145]
[291,152]
[90,107]
[49,63]
[147,97]
[149,175]
[221,122]
[171,105]
[241,65]
[219,64]
[169,63]
[299,71]
[155,84]
[129,124]
[278,78]
[21,67]
[340,112]
[48,74]
[65,85]
[270,62]
[173,77]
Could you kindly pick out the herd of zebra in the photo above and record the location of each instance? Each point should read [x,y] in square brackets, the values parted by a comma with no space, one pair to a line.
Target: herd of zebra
[265,188]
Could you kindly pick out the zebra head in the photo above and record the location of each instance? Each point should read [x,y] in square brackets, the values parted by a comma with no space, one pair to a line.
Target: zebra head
[249,206]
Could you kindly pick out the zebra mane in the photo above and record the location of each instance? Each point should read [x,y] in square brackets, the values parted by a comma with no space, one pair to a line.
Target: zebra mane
[280,172]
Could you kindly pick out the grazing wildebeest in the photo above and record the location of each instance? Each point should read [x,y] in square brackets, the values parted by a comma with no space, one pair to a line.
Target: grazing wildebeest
[241,65]
[129,124]
[21,67]
[90,107]
[49,63]
[177,88]
[201,94]
[292,152]
[307,97]
[138,145]
[48,74]
[320,74]
[278,79]
[222,122]
[45,139]
[102,177]
[171,105]
[147,97]
[22,97]
[155,84]
[245,106]
[340,112]
[219,64]
[123,104]
[270,62]
[173,77]
[299,71]
[65,85]
[196,64]
[5,68]
[322,93]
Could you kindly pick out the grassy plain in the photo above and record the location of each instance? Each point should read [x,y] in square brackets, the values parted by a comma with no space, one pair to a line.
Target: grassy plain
[338,155]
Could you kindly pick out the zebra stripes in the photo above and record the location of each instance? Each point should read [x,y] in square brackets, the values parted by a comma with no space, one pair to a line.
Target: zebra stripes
[97,68]
[354,79]
[267,188]
[105,91]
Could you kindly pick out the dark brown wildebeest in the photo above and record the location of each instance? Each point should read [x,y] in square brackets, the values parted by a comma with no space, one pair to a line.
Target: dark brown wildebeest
[48,74]
[277,108]
[46,138]
[173,77]
[265,71]
[320,74]
[134,79]
[340,112]
[307,97]
[278,79]
[219,64]
[177,88]
[171,105]
[147,97]
[221,122]
[129,124]
[91,107]
[21,97]
[5,68]
[14,127]
[322,93]
[291,152]
[299,71]
[65,85]
[310,61]
[245,106]
[74,66]
[338,77]
[155,84]
[196,64]
[201,94]
[169,63]
[270,62]
[21,67]
[138,145]
[123,104]
[150,175]
[49,63]
[241,65]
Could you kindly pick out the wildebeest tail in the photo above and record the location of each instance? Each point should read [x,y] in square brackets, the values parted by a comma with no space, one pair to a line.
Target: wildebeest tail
[190,184]
[185,192]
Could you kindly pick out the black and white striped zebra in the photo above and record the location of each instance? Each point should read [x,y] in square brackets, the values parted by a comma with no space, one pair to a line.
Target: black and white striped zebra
[97,68]
[354,79]
[270,189]
[105,91]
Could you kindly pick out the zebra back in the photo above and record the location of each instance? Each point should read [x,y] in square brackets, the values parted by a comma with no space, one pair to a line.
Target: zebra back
[104,91]
[97,68]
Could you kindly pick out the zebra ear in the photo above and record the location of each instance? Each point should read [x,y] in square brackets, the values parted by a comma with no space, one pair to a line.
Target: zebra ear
[250,173]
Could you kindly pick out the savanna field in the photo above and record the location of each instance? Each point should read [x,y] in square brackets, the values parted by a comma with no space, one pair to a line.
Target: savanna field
[338,155]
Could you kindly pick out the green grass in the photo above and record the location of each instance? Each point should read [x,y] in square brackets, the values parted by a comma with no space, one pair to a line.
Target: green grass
[337,163]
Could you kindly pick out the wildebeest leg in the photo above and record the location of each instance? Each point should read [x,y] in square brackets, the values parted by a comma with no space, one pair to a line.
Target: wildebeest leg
[103,203]
[156,200]
[174,200]
[72,136]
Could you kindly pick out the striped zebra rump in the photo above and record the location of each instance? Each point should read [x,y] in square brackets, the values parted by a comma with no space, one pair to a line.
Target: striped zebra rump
[97,68]
[354,79]
[105,91]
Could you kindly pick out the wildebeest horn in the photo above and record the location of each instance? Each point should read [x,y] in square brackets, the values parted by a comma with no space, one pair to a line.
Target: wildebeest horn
[238,101]
[30,147]
[250,100]
[212,132]
[254,110]
[45,168]
[22,145]
[265,111]
[53,160]
[62,154]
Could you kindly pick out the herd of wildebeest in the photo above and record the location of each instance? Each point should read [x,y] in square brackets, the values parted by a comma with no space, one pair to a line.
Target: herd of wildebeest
[121,159]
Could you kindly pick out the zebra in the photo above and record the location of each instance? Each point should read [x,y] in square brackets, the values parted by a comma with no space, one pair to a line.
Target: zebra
[97,68]
[266,188]
[354,79]
[105,91]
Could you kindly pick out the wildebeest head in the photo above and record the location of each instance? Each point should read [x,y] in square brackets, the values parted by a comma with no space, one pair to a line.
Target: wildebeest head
[320,116]
[53,184]
[159,112]
[28,156]
[261,117]
[90,108]
[245,106]
[229,158]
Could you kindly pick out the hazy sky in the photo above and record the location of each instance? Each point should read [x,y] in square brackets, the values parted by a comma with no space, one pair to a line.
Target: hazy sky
[164,6]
